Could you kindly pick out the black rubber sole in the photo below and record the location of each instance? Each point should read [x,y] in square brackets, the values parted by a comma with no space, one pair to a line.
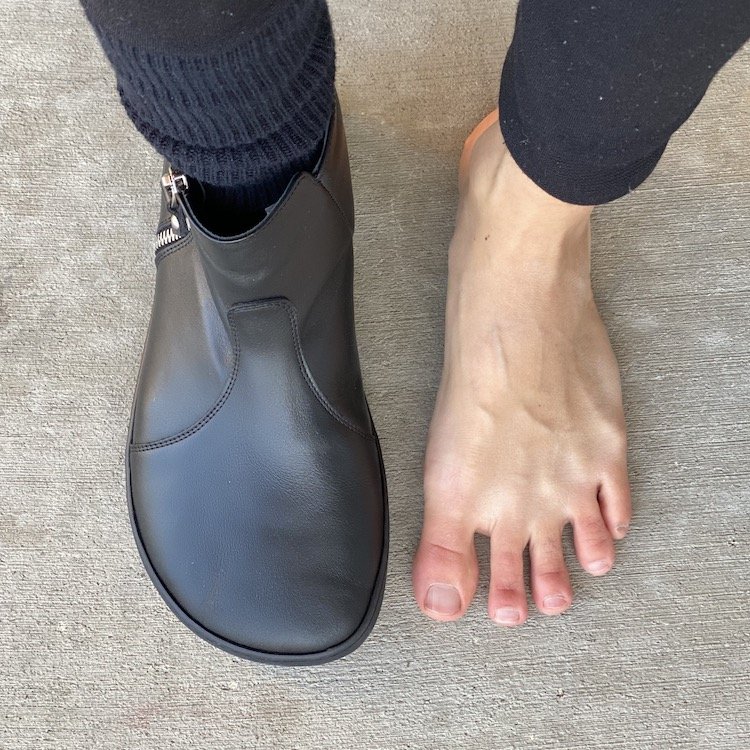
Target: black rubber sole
[265,657]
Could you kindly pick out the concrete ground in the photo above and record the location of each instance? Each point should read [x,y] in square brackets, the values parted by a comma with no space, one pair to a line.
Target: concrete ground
[655,655]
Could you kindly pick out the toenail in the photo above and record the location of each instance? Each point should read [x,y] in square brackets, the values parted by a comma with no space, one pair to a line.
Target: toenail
[623,528]
[555,601]
[443,599]
[600,566]
[507,616]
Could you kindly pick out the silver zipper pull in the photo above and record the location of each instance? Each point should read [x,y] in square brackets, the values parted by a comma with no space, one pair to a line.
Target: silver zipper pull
[174,184]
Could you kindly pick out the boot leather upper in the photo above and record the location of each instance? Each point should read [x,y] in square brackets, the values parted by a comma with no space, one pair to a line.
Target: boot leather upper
[255,478]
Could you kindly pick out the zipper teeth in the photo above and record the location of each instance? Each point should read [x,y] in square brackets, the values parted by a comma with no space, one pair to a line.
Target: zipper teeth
[166,236]
[173,185]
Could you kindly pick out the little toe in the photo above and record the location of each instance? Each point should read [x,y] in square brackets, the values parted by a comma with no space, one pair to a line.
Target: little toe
[550,583]
[506,604]
[615,503]
[593,542]
[445,570]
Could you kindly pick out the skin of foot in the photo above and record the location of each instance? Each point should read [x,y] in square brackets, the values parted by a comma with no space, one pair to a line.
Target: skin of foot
[528,432]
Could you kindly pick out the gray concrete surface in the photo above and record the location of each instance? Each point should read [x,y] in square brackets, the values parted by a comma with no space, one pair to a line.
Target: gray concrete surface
[656,655]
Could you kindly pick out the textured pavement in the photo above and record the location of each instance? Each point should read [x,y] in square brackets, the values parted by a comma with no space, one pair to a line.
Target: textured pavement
[654,655]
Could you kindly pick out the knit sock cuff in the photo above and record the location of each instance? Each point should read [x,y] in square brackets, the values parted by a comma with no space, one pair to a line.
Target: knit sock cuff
[589,177]
[232,112]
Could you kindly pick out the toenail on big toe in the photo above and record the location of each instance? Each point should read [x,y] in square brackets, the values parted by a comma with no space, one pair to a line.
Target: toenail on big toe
[443,599]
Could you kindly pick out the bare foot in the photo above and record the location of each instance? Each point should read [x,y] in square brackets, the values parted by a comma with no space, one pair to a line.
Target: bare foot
[528,432]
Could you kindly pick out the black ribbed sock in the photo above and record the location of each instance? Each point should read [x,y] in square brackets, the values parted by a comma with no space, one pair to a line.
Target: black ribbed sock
[234,93]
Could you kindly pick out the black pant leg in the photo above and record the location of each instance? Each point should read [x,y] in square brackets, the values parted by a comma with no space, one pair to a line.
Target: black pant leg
[592,90]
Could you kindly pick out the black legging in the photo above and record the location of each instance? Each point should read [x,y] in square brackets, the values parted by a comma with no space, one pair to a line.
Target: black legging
[592,90]
[236,91]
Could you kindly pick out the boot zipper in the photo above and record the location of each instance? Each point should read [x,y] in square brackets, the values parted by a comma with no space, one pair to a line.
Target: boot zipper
[166,236]
[174,184]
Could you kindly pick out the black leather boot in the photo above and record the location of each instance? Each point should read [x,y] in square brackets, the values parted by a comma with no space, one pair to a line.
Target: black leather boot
[255,481]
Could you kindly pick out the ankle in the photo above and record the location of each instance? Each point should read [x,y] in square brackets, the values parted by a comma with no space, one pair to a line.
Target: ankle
[491,177]
[522,242]
[501,182]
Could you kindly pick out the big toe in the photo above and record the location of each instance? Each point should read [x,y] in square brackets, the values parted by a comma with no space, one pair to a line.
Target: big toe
[445,568]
